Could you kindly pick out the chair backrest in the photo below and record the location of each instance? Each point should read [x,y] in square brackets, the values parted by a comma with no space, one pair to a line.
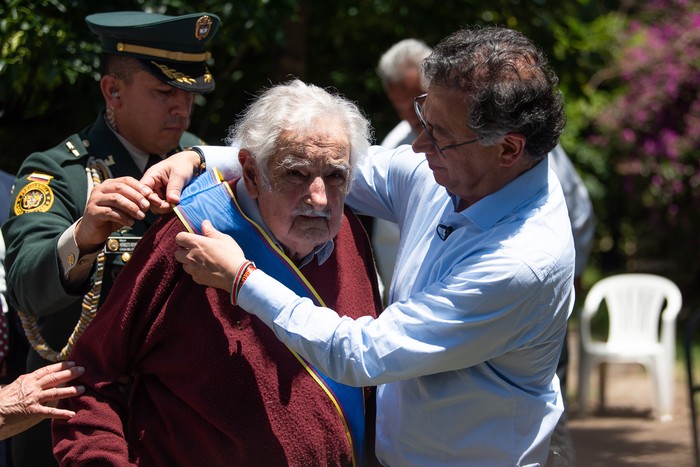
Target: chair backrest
[634,303]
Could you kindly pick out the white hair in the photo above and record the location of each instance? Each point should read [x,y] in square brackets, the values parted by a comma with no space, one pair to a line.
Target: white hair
[297,107]
[402,56]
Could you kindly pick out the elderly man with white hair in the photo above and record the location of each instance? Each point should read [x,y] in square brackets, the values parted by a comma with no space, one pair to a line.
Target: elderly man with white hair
[213,384]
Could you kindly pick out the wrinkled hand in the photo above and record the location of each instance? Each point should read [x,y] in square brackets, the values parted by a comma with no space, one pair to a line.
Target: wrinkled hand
[31,398]
[114,203]
[167,179]
[212,259]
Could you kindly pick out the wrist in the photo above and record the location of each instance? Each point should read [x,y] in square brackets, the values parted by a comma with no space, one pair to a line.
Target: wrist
[85,245]
[244,270]
[199,161]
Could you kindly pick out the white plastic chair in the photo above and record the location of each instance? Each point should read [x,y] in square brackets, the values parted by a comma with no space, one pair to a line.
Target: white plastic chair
[635,302]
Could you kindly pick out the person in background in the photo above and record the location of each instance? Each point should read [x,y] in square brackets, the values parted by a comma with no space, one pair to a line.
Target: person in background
[465,356]
[201,362]
[399,71]
[10,338]
[6,182]
[579,207]
[77,210]
[582,219]
[7,369]
[5,327]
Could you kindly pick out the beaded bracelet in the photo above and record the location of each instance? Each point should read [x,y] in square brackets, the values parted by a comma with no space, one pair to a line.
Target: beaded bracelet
[242,274]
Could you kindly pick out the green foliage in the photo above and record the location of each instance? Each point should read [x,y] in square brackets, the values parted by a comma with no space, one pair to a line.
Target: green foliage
[589,94]
[648,132]
[49,65]
[40,54]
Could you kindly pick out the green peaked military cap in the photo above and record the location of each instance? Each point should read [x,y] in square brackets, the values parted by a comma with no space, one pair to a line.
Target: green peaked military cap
[172,48]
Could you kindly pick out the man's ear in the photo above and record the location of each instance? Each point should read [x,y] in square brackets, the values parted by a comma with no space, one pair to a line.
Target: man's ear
[109,85]
[512,149]
[250,172]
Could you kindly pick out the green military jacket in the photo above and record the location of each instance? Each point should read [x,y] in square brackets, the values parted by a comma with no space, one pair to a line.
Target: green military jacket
[50,194]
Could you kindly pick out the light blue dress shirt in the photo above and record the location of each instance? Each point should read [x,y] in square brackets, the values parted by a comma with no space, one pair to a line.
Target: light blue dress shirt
[465,355]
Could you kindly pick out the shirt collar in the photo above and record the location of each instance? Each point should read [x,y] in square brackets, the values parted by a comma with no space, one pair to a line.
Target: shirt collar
[492,208]
[140,157]
[250,207]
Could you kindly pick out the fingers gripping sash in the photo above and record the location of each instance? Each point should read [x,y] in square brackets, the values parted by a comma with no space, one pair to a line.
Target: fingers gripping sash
[208,198]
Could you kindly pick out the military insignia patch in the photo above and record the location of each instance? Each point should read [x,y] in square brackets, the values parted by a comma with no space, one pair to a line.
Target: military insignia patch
[202,27]
[35,197]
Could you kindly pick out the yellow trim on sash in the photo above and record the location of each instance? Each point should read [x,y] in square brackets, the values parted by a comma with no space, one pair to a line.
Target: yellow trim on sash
[348,434]
[284,256]
[177,212]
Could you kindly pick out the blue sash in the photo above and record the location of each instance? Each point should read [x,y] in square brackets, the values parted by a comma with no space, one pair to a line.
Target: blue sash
[208,198]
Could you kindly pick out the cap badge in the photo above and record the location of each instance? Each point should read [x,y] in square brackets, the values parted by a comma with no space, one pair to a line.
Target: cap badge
[202,28]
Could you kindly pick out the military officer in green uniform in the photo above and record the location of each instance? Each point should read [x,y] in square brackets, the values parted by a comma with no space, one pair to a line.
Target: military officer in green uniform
[78,209]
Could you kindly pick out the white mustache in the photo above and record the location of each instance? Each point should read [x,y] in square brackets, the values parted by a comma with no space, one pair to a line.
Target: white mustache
[310,212]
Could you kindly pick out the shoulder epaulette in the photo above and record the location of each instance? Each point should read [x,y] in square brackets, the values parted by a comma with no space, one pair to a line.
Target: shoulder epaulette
[76,146]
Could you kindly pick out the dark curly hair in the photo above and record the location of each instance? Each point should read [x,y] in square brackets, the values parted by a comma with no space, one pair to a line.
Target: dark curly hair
[507,82]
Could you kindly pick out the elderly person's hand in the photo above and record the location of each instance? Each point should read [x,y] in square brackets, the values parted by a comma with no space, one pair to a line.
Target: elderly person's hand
[212,259]
[168,178]
[31,398]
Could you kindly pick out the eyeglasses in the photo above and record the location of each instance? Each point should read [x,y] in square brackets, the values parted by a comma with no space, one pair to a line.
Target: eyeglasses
[418,107]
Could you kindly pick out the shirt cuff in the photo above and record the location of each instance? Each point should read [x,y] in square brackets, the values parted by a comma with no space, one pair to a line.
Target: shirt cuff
[224,158]
[75,268]
[264,296]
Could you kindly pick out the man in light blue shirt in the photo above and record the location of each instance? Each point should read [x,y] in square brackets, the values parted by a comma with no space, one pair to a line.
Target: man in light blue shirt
[465,354]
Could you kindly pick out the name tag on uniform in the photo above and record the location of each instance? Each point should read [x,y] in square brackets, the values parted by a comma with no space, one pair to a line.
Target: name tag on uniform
[123,246]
